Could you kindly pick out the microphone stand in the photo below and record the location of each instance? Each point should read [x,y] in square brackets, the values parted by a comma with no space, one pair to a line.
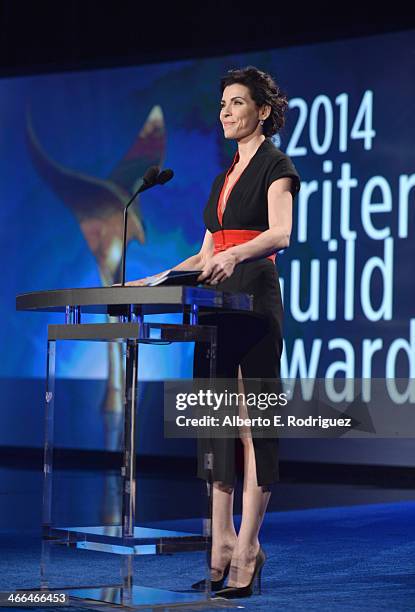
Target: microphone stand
[124,237]
[152,177]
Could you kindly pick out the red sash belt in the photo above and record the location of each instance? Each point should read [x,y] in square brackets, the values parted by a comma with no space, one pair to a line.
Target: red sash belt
[224,239]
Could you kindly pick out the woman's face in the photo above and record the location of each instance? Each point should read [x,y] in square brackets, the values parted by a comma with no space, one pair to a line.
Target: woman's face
[239,113]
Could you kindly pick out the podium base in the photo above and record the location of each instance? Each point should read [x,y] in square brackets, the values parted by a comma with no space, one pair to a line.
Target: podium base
[146,540]
[144,598]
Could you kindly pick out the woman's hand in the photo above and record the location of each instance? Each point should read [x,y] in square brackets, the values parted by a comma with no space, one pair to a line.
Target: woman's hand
[218,268]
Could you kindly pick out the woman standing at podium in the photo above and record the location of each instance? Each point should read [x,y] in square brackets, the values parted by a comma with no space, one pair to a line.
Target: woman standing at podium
[248,218]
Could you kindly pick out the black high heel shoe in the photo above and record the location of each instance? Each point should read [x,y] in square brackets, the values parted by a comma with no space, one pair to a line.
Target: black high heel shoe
[215,585]
[246,591]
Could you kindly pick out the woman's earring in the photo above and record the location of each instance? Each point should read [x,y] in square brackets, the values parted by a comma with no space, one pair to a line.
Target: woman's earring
[261,122]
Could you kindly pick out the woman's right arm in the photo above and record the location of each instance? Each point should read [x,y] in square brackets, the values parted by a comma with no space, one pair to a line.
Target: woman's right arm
[195,262]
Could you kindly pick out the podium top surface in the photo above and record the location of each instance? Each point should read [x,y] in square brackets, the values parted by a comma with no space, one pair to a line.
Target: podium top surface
[113,300]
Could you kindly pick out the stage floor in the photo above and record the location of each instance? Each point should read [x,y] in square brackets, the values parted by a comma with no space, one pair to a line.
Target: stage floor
[345,558]
[330,547]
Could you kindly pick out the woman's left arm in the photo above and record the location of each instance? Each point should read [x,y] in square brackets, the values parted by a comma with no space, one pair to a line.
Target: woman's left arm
[280,204]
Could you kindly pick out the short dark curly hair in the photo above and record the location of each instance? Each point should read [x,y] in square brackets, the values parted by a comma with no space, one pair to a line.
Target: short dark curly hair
[263,90]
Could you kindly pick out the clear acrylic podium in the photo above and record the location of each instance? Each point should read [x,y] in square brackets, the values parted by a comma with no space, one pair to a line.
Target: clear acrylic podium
[129,305]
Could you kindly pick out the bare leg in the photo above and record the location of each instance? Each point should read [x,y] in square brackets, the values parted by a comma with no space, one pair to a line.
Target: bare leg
[223,530]
[254,504]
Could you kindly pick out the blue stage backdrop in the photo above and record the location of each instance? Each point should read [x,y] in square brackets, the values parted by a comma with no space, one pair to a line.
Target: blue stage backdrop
[73,146]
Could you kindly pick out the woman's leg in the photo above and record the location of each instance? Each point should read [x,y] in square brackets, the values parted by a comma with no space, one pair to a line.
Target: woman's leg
[254,504]
[223,529]
[232,347]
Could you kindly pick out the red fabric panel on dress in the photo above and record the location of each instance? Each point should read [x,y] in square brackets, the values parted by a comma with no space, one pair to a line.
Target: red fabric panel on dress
[221,208]
[228,238]
[224,239]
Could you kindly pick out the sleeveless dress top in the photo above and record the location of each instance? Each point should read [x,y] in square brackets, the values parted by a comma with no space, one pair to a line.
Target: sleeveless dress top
[245,213]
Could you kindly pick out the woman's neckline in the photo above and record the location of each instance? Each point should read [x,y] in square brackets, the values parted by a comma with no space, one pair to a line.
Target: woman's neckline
[221,214]
[252,156]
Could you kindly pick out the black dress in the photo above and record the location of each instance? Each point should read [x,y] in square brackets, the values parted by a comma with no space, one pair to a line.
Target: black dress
[254,343]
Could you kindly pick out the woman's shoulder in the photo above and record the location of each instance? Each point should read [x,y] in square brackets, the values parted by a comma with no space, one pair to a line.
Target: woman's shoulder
[277,164]
[272,152]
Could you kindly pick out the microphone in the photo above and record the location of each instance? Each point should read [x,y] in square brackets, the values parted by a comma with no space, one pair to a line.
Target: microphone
[151,177]
[165,176]
[148,180]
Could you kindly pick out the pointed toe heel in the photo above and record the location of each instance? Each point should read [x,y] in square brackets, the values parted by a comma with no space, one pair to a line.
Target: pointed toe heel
[246,591]
[215,585]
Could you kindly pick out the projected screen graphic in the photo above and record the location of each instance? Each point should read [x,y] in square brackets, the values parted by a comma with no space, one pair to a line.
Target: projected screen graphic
[74,145]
